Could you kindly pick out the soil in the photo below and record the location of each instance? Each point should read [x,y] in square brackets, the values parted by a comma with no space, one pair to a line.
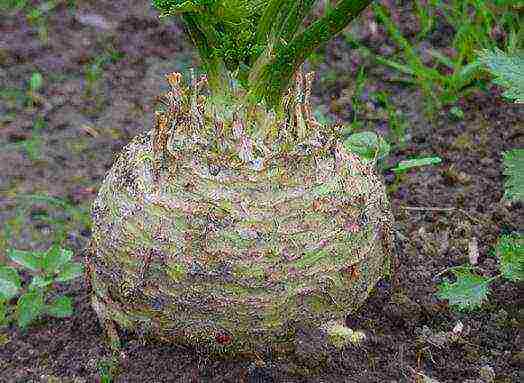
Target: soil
[62,145]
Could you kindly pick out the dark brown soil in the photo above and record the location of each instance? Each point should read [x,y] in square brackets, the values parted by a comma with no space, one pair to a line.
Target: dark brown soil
[87,122]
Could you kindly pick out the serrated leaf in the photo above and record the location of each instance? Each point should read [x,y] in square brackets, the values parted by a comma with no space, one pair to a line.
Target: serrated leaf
[510,251]
[408,164]
[367,145]
[514,170]
[70,271]
[31,260]
[29,307]
[10,283]
[61,307]
[508,71]
[467,292]
[54,258]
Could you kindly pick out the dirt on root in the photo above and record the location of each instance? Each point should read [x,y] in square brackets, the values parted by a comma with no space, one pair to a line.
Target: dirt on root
[103,63]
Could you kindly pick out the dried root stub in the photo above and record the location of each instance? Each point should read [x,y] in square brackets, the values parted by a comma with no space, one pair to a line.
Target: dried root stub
[229,226]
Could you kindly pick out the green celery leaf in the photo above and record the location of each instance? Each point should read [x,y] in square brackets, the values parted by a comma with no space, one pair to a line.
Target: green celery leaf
[367,145]
[514,170]
[70,271]
[10,283]
[508,71]
[31,260]
[510,251]
[467,292]
[61,307]
[54,258]
[407,164]
[29,307]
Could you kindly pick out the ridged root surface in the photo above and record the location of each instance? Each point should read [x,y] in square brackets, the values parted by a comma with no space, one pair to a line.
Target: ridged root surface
[231,253]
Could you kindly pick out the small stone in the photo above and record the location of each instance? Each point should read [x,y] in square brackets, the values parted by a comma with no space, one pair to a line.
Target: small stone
[94,20]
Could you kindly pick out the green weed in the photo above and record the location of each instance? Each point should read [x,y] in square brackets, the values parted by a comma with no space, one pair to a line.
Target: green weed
[356,99]
[108,369]
[35,84]
[33,300]
[453,76]
[18,98]
[426,17]
[71,5]
[33,145]
[12,4]
[37,16]
[93,73]
[470,290]
[60,222]
[60,216]
[13,97]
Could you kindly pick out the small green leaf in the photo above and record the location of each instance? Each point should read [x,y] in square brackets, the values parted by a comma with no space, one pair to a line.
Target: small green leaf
[61,307]
[36,81]
[367,145]
[31,260]
[10,283]
[29,307]
[54,258]
[40,281]
[510,250]
[66,255]
[457,112]
[70,271]
[467,292]
[407,164]
[34,14]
